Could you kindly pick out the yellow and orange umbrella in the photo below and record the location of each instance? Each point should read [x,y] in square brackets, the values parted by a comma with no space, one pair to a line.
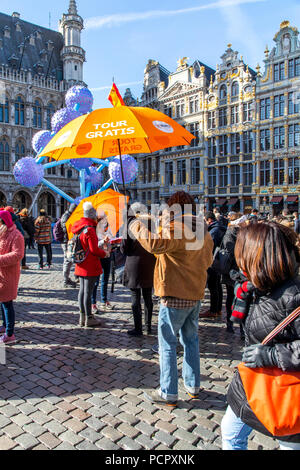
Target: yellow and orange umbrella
[115,131]
[111,202]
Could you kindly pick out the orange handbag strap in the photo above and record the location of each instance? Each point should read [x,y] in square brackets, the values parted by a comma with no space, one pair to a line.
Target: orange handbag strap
[295,314]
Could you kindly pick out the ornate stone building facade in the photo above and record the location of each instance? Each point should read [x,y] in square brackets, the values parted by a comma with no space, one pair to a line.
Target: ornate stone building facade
[228,133]
[37,66]
[277,127]
[246,151]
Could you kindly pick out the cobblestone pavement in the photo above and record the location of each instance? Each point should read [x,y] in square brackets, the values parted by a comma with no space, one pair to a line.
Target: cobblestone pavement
[64,387]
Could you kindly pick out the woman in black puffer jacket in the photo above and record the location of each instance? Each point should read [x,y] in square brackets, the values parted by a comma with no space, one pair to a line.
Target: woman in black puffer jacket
[268,254]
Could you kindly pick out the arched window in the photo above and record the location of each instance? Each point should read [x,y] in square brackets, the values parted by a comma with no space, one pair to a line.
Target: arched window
[47,201]
[50,112]
[235,89]
[4,112]
[37,114]
[223,92]
[19,112]
[4,155]
[21,200]
[20,150]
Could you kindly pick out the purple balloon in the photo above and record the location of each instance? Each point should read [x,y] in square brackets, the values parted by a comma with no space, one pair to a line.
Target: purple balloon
[81,163]
[130,169]
[28,172]
[40,140]
[95,178]
[62,117]
[79,98]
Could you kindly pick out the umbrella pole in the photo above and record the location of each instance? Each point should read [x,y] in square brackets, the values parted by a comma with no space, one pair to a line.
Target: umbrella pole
[122,170]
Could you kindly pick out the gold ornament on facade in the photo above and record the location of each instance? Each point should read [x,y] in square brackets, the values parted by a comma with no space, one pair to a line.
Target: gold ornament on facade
[285,24]
[182,63]
[264,80]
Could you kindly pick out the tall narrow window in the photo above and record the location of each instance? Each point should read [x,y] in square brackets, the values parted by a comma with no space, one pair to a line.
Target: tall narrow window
[235,175]
[234,91]
[19,112]
[211,119]
[235,144]
[223,117]
[223,145]
[265,139]
[194,129]
[223,94]
[293,169]
[195,170]
[264,172]
[212,147]
[4,112]
[169,173]
[212,177]
[247,142]
[20,150]
[279,137]
[37,114]
[4,155]
[223,176]
[278,172]
[181,171]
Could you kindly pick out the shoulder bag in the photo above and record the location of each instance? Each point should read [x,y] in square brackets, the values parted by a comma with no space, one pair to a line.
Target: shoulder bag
[273,394]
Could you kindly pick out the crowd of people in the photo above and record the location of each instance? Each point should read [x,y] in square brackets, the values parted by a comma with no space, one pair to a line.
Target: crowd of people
[254,258]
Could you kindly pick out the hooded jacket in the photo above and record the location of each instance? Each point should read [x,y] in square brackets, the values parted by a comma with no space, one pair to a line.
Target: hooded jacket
[183,256]
[91,266]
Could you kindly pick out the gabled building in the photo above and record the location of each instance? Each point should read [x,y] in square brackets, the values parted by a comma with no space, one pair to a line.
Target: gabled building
[228,131]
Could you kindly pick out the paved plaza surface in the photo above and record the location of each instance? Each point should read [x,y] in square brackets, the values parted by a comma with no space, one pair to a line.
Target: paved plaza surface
[68,388]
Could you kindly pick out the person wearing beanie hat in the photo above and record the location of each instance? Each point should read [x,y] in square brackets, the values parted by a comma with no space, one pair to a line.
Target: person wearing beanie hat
[11,254]
[88,211]
[90,268]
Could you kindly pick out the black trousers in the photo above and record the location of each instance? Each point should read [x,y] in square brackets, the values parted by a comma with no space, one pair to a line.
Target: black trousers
[216,293]
[136,295]
[85,294]
[48,249]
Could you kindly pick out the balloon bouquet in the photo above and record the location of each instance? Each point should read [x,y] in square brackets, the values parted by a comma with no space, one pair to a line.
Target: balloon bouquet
[30,171]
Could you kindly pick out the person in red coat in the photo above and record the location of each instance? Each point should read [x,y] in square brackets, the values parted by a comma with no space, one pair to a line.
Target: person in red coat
[89,270]
[11,254]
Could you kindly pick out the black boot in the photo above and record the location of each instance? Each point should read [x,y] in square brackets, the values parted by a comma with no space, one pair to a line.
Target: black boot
[137,318]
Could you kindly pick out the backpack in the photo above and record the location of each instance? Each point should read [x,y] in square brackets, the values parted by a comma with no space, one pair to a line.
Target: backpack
[75,252]
[58,232]
[223,261]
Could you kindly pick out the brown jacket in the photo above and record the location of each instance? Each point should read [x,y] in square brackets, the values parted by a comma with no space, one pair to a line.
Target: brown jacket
[179,272]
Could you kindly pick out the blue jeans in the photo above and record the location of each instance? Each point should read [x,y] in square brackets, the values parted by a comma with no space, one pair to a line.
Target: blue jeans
[235,434]
[106,263]
[8,317]
[170,322]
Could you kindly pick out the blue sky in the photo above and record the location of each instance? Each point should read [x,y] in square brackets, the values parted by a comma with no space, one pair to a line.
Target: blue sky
[121,36]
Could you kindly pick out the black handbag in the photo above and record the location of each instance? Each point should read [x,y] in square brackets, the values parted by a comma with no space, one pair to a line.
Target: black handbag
[222,262]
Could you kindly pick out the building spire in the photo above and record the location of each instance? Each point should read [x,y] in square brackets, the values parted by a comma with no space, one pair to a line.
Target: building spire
[73,8]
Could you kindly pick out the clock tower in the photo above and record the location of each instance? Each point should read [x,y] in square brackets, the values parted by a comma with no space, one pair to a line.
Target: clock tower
[72,54]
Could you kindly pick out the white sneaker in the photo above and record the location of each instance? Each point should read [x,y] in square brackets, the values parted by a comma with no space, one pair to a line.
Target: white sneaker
[95,309]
